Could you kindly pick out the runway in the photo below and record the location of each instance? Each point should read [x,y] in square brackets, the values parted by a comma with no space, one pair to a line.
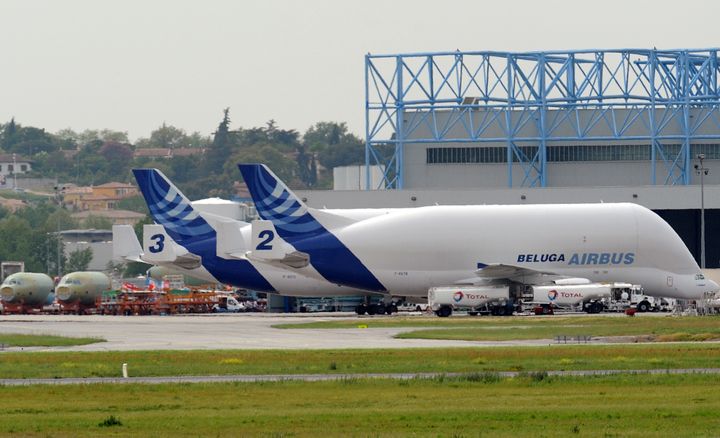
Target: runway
[212,332]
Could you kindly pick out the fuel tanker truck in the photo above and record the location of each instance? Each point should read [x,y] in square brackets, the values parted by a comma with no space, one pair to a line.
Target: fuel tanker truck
[23,292]
[503,300]
[493,300]
[78,291]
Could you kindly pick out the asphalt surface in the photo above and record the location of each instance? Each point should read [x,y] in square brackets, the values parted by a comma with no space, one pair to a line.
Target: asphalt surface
[213,332]
[325,377]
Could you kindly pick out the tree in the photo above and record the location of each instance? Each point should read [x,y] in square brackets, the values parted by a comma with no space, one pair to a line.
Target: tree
[334,145]
[219,150]
[79,260]
[92,135]
[60,220]
[133,203]
[166,136]
[8,133]
[119,157]
[29,140]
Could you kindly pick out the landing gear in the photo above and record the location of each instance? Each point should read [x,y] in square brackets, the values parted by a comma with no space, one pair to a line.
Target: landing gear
[376,309]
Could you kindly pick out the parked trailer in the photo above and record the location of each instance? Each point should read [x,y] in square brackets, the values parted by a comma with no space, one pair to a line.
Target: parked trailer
[156,302]
[588,296]
[494,300]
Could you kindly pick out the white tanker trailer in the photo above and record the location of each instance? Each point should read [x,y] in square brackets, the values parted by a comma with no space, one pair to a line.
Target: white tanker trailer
[24,291]
[494,300]
[79,291]
[590,296]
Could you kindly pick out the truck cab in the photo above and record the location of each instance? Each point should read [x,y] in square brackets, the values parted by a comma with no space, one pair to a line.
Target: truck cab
[228,304]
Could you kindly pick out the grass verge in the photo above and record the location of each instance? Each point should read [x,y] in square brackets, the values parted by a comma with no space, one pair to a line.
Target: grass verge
[461,360]
[522,328]
[611,406]
[21,340]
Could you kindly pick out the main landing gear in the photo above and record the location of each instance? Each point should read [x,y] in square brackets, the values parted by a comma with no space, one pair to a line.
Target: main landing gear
[376,309]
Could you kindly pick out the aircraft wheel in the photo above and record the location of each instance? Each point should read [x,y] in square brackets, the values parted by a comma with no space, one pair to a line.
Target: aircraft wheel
[372,309]
[361,309]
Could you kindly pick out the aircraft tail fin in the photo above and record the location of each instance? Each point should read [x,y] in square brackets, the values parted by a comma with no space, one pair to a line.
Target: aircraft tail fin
[170,208]
[275,202]
[126,245]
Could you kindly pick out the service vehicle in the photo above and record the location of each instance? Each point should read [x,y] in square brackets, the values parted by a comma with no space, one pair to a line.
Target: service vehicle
[228,304]
[492,300]
[588,297]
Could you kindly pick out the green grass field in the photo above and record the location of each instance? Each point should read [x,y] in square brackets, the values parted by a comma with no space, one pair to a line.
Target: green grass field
[478,405]
[225,362]
[668,328]
[20,340]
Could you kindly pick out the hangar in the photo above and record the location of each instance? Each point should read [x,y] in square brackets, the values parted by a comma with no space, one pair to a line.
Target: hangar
[621,125]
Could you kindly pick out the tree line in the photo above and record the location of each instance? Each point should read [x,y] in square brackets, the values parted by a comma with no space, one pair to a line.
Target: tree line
[94,157]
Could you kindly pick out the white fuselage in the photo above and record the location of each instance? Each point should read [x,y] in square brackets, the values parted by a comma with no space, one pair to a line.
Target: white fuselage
[411,250]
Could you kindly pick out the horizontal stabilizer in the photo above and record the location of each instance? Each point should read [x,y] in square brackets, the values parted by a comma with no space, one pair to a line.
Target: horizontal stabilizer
[230,242]
[126,245]
[160,248]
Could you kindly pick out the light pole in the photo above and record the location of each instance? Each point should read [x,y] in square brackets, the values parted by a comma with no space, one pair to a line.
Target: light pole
[14,173]
[702,171]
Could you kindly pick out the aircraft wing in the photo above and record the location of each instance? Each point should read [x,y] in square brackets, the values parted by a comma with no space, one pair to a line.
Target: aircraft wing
[520,274]
[499,270]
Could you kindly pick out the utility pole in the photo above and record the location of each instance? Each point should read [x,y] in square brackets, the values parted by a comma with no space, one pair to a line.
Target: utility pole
[58,199]
[702,171]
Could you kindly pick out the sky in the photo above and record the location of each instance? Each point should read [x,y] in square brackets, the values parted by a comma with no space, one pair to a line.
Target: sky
[133,65]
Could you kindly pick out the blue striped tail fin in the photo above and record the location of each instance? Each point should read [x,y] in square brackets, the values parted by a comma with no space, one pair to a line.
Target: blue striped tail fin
[170,208]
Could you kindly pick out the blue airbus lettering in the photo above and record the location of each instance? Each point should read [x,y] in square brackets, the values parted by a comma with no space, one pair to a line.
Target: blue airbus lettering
[587,258]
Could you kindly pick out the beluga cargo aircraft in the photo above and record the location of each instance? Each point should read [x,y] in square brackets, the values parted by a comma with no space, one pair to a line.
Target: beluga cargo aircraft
[404,252]
[297,250]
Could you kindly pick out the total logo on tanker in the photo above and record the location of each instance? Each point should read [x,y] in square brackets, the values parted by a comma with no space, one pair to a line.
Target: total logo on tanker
[553,294]
[459,295]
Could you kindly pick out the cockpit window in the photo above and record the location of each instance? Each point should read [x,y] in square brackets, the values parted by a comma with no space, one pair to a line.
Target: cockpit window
[699,277]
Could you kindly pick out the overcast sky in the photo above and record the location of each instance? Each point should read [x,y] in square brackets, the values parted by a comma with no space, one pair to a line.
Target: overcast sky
[131,65]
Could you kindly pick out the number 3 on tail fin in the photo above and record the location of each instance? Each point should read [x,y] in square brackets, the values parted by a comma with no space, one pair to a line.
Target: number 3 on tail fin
[264,245]
[159,240]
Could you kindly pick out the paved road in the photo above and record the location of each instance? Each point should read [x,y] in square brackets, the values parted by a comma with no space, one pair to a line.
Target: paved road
[324,377]
[227,331]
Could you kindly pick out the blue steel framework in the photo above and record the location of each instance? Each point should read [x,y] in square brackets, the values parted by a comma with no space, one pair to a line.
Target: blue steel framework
[590,90]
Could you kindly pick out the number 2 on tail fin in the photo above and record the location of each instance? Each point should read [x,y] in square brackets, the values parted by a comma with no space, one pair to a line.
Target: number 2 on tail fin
[265,244]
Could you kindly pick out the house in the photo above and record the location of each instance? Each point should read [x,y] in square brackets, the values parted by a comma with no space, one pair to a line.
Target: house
[117,217]
[102,197]
[166,152]
[14,164]
[115,189]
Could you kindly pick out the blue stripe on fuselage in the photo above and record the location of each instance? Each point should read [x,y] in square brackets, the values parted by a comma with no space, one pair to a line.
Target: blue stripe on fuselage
[239,273]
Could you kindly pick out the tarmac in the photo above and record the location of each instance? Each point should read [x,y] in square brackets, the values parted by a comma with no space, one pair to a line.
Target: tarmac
[246,331]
